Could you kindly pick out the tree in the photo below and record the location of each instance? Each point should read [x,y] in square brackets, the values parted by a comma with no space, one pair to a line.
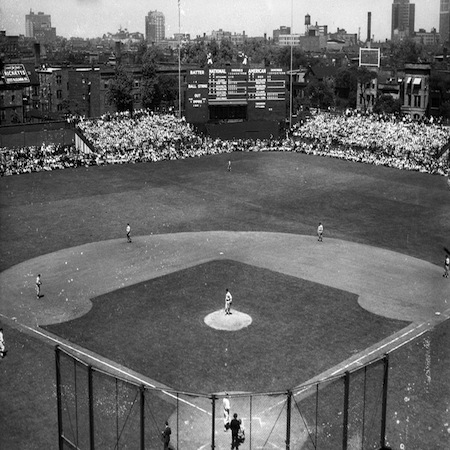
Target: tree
[283,57]
[440,85]
[404,52]
[227,52]
[346,87]
[119,90]
[149,87]
[364,77]
[194,53]
[386,104]
[320,93]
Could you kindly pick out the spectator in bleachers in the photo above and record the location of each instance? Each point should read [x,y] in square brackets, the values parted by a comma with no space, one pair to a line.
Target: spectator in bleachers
[147,137]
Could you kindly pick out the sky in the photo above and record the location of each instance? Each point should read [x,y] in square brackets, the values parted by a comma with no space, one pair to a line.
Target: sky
[93,18]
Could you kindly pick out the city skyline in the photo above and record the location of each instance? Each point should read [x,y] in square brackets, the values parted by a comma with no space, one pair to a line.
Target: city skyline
[80,18]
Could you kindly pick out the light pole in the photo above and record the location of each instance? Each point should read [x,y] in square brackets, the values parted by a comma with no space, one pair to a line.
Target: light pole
[179,61]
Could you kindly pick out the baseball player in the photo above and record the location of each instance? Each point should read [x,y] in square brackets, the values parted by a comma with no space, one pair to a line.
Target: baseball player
[228,301]
[320,232]
[38,286]
[128,232]
[2,344]
[226,412]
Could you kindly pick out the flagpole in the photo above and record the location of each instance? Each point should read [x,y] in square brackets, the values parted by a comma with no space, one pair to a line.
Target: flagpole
[292,51]
[179,61]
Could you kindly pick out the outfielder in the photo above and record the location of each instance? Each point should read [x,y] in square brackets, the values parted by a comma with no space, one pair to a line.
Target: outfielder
[128,232]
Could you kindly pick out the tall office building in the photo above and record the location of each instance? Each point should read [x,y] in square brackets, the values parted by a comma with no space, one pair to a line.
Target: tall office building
[155,27]
[403,15]
[39,26]
[35,22]
[444,21]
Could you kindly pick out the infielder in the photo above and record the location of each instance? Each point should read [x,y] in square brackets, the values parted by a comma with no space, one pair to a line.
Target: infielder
[38,286]
[320,232]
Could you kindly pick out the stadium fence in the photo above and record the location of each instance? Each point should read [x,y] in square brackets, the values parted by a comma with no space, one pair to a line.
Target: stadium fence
[396,401]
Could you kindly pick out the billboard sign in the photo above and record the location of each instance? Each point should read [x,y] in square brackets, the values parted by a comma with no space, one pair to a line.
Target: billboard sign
[15,74]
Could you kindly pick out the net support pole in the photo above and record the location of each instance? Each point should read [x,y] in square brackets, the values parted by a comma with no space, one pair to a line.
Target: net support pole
[346,404]
[288,419]
[251,420]
[384,404]
[178,420]
[58,397]
[213,425]
[91,407]
[142,414]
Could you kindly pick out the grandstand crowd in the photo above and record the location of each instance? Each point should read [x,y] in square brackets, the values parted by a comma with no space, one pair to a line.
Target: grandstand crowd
[145,137]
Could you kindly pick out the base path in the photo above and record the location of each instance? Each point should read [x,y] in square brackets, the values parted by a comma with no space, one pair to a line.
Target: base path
[387,283]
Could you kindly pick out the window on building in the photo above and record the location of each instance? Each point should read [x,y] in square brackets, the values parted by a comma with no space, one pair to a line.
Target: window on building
[13,97]
[409,99]
[59,94]
[417,83]
[59,107]
[58,79]
[137,83]
[417,101]
[136,96]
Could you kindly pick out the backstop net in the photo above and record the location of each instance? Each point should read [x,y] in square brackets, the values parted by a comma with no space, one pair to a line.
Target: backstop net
[399,400]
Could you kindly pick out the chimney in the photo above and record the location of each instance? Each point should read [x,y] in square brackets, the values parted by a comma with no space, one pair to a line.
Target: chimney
[369,27]
[37,53]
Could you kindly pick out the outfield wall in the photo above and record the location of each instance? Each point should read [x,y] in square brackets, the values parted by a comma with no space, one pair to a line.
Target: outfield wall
[37,134]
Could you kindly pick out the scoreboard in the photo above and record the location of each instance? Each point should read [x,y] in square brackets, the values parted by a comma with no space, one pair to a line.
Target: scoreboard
[244,93]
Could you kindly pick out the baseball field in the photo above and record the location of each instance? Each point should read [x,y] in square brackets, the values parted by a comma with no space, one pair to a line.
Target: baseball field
[154,306]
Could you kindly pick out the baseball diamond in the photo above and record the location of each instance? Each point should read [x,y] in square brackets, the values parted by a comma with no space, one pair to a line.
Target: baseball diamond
[186,225]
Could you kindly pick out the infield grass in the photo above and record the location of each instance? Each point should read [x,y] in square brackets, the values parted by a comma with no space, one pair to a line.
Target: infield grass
[299,329]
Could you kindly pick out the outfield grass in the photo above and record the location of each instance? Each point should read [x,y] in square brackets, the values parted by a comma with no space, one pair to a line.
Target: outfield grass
[284,192]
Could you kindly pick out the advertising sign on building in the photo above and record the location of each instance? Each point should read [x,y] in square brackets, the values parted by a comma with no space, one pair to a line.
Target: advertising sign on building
[15,74]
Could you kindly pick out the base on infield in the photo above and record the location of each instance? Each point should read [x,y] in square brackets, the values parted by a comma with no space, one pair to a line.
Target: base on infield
[231,322]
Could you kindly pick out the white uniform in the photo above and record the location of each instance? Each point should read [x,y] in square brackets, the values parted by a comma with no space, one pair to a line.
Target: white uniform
[2,345]
[38,286]
[320,231]
[226,412]
[228,300]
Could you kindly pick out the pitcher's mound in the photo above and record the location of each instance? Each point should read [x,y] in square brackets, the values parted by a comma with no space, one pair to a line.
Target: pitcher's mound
[232,322]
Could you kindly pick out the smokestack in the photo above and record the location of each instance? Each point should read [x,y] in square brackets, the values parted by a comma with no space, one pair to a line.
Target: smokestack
[37,53]
[369,27]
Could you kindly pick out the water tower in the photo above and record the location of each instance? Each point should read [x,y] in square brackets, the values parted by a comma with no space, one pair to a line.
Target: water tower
[307,23]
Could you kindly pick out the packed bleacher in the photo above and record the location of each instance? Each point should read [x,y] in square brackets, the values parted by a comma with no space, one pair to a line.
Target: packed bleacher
[148,137]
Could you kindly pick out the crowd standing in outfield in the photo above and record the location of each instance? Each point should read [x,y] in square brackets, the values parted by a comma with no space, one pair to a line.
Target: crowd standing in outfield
[146,137]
